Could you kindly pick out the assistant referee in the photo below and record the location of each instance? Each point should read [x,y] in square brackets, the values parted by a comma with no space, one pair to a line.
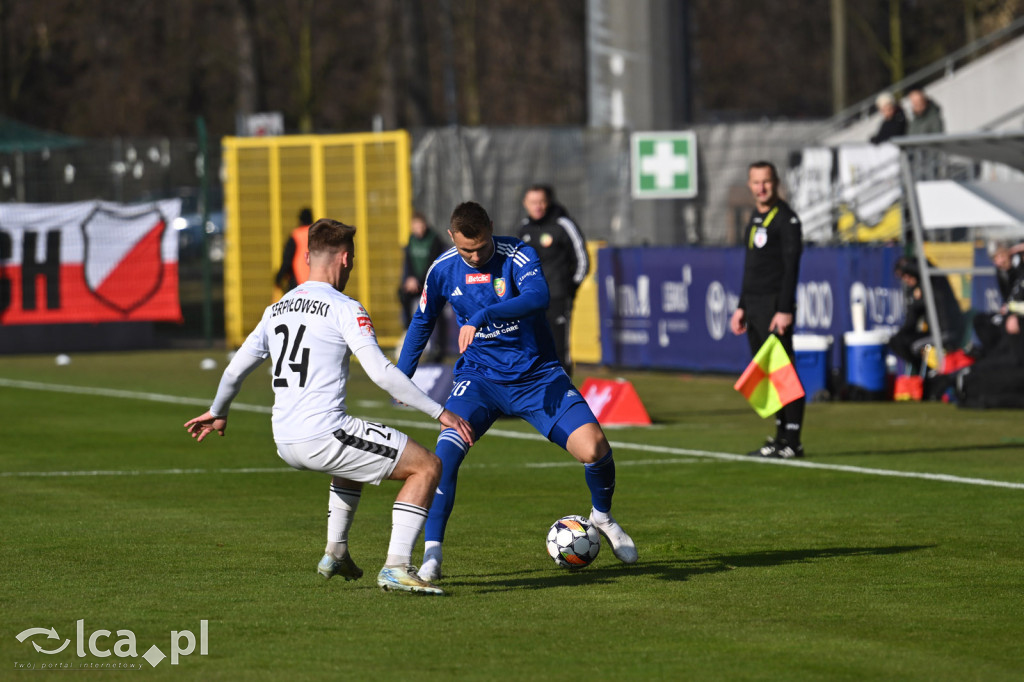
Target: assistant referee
[768,296]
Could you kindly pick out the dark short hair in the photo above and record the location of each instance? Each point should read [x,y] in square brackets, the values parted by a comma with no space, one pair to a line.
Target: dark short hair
[549,192]
[907,266]
[765,164]
[306,216]
[330,235]
[471,220]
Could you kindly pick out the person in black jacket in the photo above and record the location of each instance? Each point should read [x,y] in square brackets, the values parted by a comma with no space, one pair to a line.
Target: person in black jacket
[767,302]
[894,121]
[563,258]
[910,339]
[989,327]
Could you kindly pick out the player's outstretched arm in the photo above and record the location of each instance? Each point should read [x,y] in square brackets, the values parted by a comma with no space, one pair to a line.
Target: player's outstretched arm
[216,418]
[203,425]
[454,421]
[421,326]
[383,373]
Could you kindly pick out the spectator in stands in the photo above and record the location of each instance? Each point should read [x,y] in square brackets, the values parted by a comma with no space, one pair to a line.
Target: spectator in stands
[294,268]
[927,121]
[927,114]
[894,122]
[911,339]
[990,327]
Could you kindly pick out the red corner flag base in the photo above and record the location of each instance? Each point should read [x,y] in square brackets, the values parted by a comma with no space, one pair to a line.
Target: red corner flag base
[770,380]
[615,402]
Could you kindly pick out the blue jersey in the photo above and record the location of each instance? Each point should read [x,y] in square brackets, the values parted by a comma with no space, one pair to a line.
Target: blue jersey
[505,299]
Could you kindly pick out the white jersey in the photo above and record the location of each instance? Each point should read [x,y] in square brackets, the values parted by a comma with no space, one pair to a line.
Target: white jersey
[310,335]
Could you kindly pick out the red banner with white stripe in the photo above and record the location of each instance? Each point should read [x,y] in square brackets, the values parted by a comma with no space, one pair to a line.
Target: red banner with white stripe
[88,262]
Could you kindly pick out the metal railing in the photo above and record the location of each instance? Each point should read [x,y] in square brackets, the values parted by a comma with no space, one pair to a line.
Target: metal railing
[944,67]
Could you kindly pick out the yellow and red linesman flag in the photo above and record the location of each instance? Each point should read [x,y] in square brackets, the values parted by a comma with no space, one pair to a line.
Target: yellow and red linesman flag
[770,380]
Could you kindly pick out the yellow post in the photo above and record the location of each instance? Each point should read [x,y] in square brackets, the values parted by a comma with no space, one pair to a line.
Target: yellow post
[232,249]
[276,238]
[319,179]
[586,317]
[362,244]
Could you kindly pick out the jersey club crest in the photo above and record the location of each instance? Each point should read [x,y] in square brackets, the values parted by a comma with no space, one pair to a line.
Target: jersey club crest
[122,262]
[760,237]
[499,286]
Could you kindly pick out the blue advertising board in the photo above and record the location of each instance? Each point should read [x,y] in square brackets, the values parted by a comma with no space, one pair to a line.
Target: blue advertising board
[669,308]
[985,295]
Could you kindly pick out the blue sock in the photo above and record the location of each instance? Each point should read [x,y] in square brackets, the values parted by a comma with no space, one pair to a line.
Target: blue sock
[601,480]
[451,449]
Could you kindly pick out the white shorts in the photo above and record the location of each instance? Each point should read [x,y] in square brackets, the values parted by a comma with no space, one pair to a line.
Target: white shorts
[359,451]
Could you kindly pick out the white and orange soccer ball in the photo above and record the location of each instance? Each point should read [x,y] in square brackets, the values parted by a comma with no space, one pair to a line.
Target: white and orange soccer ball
[573,542]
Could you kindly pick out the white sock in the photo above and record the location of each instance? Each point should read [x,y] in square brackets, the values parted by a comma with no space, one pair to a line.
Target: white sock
[407,520]
[431,552]
[341,510]
[600,517]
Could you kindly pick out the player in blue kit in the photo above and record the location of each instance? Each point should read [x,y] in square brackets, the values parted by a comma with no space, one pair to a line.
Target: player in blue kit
[507,366]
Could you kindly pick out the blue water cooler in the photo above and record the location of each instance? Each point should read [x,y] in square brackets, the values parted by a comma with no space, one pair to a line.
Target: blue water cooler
[865,359]
[810,353]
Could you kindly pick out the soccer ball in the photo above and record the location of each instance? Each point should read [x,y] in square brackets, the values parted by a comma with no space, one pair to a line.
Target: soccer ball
[573,542]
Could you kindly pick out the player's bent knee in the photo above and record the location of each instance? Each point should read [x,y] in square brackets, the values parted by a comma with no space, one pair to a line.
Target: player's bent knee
[416,459]
[432,467]
[588,444]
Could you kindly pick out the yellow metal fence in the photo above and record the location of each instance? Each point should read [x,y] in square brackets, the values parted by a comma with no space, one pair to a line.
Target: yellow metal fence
[362,180]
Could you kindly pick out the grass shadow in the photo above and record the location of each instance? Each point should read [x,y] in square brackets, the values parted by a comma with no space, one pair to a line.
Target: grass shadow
[954,449]
[663,569]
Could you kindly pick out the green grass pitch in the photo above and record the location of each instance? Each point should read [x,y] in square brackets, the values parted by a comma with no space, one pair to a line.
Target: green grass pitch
[748,570]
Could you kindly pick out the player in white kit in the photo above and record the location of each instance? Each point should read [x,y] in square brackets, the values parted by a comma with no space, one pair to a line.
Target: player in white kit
[310,334]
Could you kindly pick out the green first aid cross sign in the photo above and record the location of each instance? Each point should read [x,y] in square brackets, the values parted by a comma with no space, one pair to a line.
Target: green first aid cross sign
[664,165]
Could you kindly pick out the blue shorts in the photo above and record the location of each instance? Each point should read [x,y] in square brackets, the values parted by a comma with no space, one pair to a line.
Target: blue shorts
[550,403]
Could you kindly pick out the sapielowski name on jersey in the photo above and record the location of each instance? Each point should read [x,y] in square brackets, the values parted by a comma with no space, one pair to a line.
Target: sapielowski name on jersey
[310,306]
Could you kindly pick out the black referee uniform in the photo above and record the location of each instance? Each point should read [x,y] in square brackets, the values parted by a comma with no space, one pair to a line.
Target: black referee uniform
[774,243]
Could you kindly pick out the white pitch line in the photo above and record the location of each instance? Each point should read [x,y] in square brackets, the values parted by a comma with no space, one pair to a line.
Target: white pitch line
[143,472]
[503,433]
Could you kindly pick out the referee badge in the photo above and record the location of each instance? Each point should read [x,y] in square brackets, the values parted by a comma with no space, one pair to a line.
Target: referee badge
[760,237]
[499,286]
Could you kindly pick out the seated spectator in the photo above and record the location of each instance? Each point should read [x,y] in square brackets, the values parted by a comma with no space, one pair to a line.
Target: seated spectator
[997,380]
[988,326]
[911,339]
[894,122]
